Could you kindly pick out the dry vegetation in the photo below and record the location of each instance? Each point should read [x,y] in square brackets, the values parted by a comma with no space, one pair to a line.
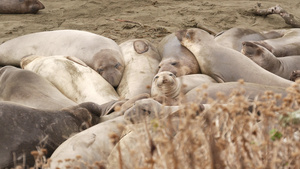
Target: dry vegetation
[229,135]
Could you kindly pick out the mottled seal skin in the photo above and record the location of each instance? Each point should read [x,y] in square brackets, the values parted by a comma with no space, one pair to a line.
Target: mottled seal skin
[176,58]
[233,37]
[281,66]
[295,75]
[23,128]
[29,89]
[224,64]
[20,6]
[252,90]
[72,77]
[98,52]
[92,145]
[141,64]
[287,45]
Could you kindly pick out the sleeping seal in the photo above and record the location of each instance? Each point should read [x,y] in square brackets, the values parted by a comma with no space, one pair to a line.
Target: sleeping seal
[98,52]
[225,64]
[72,77]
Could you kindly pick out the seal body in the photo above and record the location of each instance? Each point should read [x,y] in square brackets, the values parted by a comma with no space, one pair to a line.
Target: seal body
[251,91]
[100,53]
[281,66]
[168,85]
[23,129]
[233,38]
[72,77]
[29,89]
[92,145]
[141,64]
[176,58]
[20,6]
[287,45]
[225,64]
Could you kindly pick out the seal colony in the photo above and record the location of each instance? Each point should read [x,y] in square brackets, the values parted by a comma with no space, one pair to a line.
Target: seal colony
[76,79]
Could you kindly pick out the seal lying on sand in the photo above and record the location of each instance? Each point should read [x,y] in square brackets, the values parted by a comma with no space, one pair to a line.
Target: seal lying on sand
[176,58]
[141,64]
[233,38]
[281,66]
[23,129]
[29,89]
[287,45]
[225,64]
[72,77]
[20,6]
[98,52]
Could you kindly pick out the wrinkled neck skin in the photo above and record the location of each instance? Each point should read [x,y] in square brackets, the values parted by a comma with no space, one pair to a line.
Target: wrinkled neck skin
[170,90]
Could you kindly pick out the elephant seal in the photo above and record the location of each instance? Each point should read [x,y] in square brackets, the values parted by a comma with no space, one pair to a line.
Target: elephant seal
[251,91]
[141,64]
[295,75]
[167,84]
[281,66]
[20,6]
[98,52]
[176,58]
[225,64]
[233,37]
[89,146]
[287,45]
[72,77]
[29,89]
[23,129]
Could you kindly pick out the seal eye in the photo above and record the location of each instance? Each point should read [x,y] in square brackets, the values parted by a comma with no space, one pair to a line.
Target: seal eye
[159,67]
[156,77]
[170,74]
[117,65]
[173,63]
[100,71]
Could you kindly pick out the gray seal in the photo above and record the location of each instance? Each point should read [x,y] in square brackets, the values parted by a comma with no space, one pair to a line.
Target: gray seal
[281,66]
[225,64]
[98,52]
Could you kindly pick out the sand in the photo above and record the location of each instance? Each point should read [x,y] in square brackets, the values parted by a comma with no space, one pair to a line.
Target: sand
[152,19]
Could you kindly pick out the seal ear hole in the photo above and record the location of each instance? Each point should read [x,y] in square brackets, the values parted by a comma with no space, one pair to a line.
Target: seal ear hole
[140,46]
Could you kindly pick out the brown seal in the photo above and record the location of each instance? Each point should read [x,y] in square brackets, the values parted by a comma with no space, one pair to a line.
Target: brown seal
[281,66]
[225,64]
[23,129]
[98,52]
[287,45]
[233,37]
[176,58]
[20,6]
[28,88]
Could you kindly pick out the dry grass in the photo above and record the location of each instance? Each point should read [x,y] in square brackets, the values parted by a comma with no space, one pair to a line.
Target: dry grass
[226,136]
[233,133]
